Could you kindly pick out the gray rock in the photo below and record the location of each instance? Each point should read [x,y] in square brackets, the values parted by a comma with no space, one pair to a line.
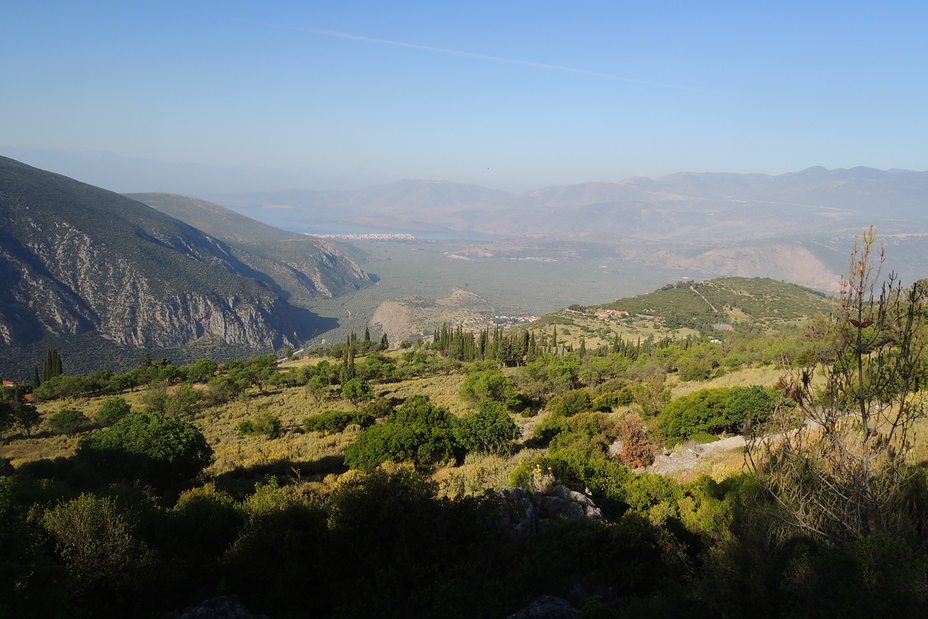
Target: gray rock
[222,607]
[547,607]
[524,513]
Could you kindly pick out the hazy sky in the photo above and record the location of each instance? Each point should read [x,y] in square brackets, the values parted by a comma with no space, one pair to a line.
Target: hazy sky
[513,95]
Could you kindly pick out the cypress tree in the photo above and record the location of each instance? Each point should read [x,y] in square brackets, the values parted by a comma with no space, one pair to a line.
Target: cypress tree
[36,381]
[52,366]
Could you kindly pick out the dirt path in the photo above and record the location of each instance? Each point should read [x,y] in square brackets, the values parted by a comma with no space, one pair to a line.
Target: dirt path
[704,299]
[673,463]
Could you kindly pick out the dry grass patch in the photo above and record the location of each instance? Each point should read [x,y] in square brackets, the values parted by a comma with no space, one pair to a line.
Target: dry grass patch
[480,472]
[765,376]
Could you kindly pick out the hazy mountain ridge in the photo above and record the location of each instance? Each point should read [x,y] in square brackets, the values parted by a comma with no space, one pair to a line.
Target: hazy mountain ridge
[789,226]
[668,208]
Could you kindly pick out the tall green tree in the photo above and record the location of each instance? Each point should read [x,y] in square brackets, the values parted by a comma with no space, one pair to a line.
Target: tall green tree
[53,365]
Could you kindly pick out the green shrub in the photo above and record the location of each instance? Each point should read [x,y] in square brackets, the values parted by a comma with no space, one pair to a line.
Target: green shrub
[490,386]
[95,541]
[549,428]
[571,403]
[378,408]
[590,433]
[149,447]
[337,421]
[489,430]
[356,391]
[281,560]
[263,423]
[112,410]
[418,432]
[716,410]
[702,411]
[68,421]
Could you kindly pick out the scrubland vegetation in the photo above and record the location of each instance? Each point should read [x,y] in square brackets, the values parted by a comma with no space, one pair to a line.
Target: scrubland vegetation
[364,483]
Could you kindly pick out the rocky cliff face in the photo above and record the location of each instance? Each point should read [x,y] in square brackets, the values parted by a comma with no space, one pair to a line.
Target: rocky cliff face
[75,258]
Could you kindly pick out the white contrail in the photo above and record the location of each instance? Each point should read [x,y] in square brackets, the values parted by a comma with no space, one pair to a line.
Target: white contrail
[453,52]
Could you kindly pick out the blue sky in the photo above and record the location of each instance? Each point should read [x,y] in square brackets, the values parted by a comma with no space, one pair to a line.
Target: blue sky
[513,95]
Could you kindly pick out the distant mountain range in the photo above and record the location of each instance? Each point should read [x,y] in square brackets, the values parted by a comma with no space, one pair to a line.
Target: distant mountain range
[664,208]
[796,227]
[81,263]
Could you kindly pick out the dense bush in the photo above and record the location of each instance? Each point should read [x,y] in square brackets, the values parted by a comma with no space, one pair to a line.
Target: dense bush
[590,433]
[716,410]
[337,421]
[68,421]
[112,410]
[571,403]
[490,386]
[356,391]
[96,542]
[263,423]
[418,432]
[489,430]
[147,446]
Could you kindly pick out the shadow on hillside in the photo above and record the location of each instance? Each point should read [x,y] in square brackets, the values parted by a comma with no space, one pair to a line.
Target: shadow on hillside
[242,479]
[306,324]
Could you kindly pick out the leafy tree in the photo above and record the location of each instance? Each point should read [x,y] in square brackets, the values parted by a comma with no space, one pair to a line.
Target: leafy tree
[95,541]
[26,416]
[490,386]
[571,403]
[68,421]
[184,402]
[148,446]
[112,410]
[357,391]
[224,388]
[489,430]
[418,432]
[317,386]
[749,407]
[200,371]
[701,412]
[6,415]
[698,362]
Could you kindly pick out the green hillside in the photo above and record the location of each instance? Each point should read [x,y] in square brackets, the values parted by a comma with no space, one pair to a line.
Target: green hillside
[758,300]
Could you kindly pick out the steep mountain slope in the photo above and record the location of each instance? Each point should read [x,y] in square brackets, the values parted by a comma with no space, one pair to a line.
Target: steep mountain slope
[76,259]
[298,266]
[216,221]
